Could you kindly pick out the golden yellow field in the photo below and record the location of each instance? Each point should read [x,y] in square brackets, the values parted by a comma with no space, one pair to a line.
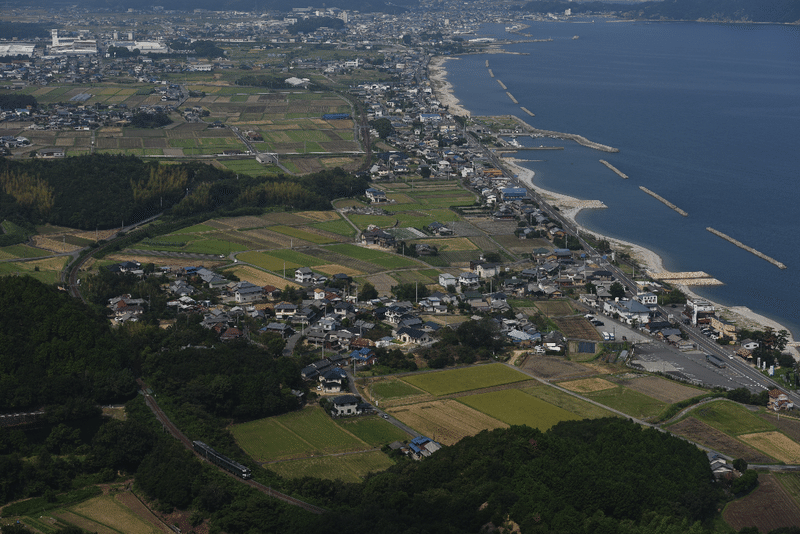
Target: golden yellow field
[106,515]
[261,278]
[320,216]
[446,421]
[49,264]
[56,245]
[587,385]
[775,444]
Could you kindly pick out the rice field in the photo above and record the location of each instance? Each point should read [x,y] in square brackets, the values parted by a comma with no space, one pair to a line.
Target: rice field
[465,379]
[309,432]
[515,407]
[777,445]
[587,385]
[348,468]
[106,515]
[446,421]
[731,418]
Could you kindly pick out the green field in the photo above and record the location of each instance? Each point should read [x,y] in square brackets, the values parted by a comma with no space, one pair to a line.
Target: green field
[372,430]
[465,379]
[388,261]
[393,389]
[340,227]
[282,442]
[267,261]
[304,433]
[196,229]
[22,251]
[349,468]
[791,483]
[556,397]
[731,418]
[515,407]
[298,258]
[628,401]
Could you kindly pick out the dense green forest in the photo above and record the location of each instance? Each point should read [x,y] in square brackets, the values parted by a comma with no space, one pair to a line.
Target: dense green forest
[24,30]
[58,353]
[785,11]
[105,191]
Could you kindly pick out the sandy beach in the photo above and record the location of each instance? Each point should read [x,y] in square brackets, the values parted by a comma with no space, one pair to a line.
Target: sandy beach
[571,206]
[442,88]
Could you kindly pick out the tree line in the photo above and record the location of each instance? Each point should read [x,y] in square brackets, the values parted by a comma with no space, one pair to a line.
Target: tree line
[107,191]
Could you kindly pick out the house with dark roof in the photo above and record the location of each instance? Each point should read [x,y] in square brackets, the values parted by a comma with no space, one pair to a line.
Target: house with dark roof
[345,405]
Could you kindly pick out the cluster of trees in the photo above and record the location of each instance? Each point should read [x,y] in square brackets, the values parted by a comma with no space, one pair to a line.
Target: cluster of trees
[24,30]
[383,126]
[57,352]
[15,101]
[771,345]
[471,341]
[122,52]
[312,24]
[105,191]
[142,119]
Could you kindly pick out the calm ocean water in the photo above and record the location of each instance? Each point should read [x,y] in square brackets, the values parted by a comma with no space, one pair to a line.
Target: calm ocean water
[706,115]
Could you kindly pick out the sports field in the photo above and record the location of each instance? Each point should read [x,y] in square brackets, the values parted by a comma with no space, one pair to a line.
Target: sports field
[465,379]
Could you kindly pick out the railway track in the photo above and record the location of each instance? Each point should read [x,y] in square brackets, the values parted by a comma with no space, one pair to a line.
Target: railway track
[170,427]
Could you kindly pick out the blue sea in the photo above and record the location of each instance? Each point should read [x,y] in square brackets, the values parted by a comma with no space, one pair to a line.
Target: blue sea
[706,115]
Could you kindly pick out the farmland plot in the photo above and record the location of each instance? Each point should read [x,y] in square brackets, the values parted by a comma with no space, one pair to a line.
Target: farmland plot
[581,408]
[731,418]
[663,390]
[776,445]
[709,436]
[466,379]
[446,421]
[348,468]
[556,368]
[768,507]
[516,407]
[106,515]
[587,385]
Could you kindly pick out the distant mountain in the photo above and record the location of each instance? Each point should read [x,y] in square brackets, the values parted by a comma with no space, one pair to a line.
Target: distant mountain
[384,6]
[783,11]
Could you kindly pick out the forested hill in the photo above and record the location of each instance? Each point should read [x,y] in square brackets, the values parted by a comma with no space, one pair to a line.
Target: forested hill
[783,11]
[105,191]
[606,475]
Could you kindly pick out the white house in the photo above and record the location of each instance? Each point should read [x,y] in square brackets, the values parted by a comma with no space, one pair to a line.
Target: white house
[345,405]
[468,279]
[303,275]
[447,279]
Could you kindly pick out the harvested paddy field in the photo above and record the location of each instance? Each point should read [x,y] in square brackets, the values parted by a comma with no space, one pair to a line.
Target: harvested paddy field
[556,368]
[768,507]
[663,390]
[776,445]
[447,421]
[577,327]
[260,278]
[587,385]
[712,438]
[555,308]
[788,425]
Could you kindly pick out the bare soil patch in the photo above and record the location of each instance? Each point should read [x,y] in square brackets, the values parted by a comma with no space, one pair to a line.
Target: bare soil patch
[261,278]
[768,507]
[383,283]
[577,327]
[556,368]
[663,390]
[587,385]
[704,434]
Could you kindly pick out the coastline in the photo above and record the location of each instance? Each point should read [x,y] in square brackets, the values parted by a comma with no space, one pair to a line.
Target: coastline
[571,206]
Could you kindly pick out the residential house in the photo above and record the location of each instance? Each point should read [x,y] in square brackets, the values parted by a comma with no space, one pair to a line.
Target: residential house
[345,405]
[285,310]
[303,275]
[468,279]
[376,196]
[378,237]
[778,400]
[246,292]
[412,335]
[487,270]
[447,279]
[629,310]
